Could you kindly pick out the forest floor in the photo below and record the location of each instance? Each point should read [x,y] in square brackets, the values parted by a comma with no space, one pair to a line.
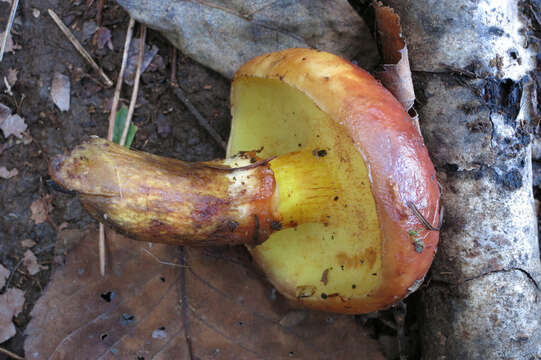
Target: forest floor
[166,127]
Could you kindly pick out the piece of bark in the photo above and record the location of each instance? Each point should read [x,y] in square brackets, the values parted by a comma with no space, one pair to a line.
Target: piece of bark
[167,302]
[470,67]
[223,35]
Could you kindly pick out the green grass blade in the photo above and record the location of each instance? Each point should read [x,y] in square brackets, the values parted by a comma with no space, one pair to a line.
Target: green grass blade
[120,120]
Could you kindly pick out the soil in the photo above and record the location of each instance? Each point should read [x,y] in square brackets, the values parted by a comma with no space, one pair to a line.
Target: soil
[166,127]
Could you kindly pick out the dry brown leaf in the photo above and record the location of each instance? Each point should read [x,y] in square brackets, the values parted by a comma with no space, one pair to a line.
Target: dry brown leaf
[223,35]
[13,125]
[103,37]
[89,28]
[133,53]
[40,209]
[396,75]
[11,304]
[30,261]
[28,243]
[4,274]
[7,174]
[12,76]
[60,91]
[209,303]
[10,44]
[5,112]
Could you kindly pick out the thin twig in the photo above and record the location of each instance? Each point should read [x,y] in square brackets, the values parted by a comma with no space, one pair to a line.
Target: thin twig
[116,96]
[423,220]
[99,13]
[174,82]
[135,84]
[79,47]
[202,121]
[9,353]
[163,262]
[110,132]
[12,12]
[101,247]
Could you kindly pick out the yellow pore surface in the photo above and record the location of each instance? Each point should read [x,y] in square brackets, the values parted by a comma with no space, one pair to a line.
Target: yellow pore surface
[337,253]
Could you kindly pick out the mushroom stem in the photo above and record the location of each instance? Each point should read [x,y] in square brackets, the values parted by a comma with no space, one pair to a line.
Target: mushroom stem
[306,187]
[224,202]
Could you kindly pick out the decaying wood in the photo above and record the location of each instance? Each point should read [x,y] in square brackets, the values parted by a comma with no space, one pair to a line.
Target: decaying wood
[483,301]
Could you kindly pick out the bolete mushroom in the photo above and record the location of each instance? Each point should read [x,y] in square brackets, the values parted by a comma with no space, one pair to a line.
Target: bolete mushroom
[334,201]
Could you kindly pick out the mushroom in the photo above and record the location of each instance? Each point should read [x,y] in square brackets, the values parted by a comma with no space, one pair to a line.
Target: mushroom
[334,199]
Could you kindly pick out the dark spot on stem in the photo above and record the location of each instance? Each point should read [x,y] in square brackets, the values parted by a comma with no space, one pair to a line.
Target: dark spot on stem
[232,225]
[325,277]
[323,296]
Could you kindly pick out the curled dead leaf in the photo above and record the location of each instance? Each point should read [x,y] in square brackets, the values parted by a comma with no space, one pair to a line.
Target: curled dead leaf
[11,304]
[4,274]
[60,91]
[178,303]
[103,37]
[13,125]
[28,243]
[150,52]
[396,74]
[40,209]
[7,174]
[30,261]
[12,76]
[10,44]
[251,28]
